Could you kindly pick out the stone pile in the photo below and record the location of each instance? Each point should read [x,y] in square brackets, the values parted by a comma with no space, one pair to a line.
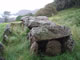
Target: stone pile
[47,37]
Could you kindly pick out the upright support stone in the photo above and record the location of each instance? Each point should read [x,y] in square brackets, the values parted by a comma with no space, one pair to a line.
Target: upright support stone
[53,48]
[34,48]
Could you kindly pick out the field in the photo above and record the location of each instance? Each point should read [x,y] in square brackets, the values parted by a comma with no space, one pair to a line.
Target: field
[18,46]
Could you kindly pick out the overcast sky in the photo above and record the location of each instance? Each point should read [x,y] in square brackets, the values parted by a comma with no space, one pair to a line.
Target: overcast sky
[16,5]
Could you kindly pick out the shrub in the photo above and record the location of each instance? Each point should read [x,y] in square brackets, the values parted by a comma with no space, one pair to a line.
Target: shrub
[48,10]
[18,18]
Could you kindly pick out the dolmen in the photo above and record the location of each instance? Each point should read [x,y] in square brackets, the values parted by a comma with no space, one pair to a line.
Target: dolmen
[46,37]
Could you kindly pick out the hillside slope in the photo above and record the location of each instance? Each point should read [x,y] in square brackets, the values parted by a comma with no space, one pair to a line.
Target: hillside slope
[68,17]
[18,45]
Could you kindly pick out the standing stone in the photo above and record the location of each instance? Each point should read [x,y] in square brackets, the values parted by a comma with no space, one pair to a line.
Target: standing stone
[69,44]
[34,48]
[53,48]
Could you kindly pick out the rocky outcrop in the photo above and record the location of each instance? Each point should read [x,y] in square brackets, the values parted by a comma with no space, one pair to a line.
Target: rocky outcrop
[47,37]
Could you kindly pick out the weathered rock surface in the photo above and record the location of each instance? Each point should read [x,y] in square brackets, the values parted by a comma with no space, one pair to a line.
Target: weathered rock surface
[43,33]
[34,18]
[41,18]
[69,44]
[38,23]
[35,21]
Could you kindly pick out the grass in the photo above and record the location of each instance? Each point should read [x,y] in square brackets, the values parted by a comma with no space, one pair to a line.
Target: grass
[18,45]
[68,17]
[2,28]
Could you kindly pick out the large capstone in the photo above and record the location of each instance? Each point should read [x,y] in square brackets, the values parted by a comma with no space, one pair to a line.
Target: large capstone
[43,33]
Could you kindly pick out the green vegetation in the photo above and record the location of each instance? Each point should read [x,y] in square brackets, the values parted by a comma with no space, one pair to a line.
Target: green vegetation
[57,5]
[18,18]
[68,17]
[18,45]
[2,27]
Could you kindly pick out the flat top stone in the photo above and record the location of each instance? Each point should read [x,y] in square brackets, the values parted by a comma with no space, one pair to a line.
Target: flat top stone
[42,33]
